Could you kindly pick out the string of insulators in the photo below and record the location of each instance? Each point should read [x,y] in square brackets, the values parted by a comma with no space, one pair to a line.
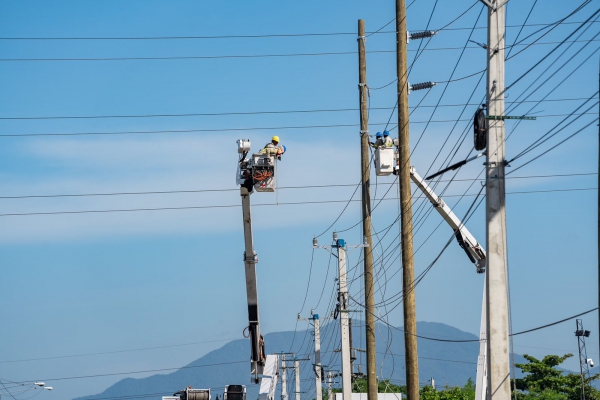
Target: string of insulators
[421,86]
[421,35]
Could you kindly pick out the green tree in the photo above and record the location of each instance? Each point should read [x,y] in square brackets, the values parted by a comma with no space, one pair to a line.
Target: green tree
[360,386]
[544,381]
[466,392]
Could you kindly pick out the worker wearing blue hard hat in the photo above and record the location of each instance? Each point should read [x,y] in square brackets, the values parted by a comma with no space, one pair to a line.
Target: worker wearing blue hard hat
[282,149]
[387,140]
[378,140]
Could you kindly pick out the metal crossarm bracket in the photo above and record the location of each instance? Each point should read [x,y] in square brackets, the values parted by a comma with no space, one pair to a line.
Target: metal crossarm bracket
[503,117]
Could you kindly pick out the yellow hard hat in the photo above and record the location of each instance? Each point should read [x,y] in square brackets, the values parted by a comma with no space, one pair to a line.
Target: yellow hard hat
[275,138]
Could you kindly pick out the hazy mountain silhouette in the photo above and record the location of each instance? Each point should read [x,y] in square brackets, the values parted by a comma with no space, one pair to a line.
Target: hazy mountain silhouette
[447,362]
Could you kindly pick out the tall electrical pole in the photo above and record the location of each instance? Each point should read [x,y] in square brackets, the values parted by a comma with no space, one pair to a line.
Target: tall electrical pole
[366,215]
[283,378]
[406,228]
[318,367]
[496,274]
[329,386]
[340,244]
[297,377]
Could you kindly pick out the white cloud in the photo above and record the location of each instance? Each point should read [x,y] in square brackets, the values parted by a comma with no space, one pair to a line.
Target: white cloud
[108,165]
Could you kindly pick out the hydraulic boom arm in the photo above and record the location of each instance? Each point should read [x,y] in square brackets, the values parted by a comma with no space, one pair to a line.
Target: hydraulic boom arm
[250,260]
[467,242]
[477,255]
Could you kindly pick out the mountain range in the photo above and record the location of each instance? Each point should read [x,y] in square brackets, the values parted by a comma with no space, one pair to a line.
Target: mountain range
[449,363]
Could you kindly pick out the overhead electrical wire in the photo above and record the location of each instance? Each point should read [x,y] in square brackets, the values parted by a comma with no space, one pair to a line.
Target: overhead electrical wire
[115,351]
[581,6]
[548,135]
[276,35]
[523,26]
[550,52]
[555,146]
[231,129]
[517,103]
[236,189]
[132,372]
[184,115]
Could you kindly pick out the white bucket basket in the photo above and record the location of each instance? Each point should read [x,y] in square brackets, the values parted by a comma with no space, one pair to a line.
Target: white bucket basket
[384,161]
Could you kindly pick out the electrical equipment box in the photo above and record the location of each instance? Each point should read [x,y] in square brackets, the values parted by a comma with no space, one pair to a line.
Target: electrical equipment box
[384,161]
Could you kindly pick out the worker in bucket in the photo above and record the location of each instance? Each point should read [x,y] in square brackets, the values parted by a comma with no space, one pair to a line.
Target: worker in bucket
[378,141]
[387,140]
[281,150]
[272,148]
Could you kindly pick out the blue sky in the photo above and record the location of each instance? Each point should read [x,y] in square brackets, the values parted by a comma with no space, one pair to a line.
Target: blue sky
[83,283]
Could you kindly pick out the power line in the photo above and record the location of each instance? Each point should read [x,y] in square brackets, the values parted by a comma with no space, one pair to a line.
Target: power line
[135,372]
[115,351]
[550,52]
[276,35]
[324,110]
[236,129]
[555,146]
[514,334]
[259,205]
[234,56]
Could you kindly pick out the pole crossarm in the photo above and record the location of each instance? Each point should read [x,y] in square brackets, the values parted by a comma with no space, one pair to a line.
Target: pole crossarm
[503,117]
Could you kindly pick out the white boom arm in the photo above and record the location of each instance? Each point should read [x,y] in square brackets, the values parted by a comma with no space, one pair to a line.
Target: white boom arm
[477,255]
[474,251]
[268,383]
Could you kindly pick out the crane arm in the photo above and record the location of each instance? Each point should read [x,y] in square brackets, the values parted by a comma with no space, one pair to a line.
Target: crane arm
[250,260]
[467,242]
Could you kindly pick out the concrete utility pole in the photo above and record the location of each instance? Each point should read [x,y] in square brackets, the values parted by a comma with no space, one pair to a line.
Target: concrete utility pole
[496,276]
[297,377]
[318,367]
[352,349]
[283,378]
[366,215]
[340,244]
[329,386]
[481,379]
[406,227]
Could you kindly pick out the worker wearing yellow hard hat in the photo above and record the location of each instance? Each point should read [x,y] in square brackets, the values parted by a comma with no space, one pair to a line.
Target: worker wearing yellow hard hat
[273,148]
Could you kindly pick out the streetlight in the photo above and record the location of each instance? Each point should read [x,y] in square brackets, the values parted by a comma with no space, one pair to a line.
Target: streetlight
[19,388]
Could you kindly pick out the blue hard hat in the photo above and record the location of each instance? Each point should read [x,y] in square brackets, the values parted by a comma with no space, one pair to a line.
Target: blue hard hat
[284,148]
[386,133]
[378,134]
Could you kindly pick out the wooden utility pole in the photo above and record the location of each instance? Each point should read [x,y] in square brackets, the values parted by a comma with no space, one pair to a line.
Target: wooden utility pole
[406,226]
[366,215]
[496,275]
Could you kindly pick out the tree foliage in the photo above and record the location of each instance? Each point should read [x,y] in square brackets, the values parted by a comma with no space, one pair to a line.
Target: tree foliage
[543,380]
